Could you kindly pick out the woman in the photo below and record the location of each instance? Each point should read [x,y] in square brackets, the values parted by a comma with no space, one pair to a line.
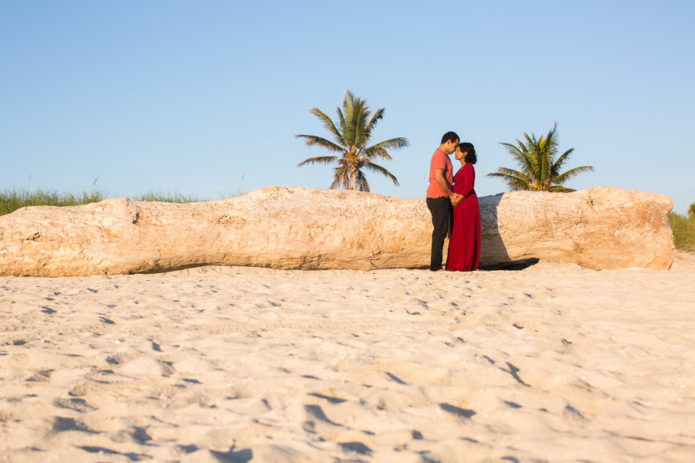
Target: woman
[464,245]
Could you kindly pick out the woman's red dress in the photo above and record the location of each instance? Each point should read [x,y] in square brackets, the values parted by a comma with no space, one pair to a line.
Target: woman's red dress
[464,244]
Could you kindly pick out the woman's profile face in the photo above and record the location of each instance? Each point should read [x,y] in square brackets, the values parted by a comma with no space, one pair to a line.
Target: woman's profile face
[458,155]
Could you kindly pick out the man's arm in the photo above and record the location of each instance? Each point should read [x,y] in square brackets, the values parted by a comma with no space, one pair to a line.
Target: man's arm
[441,181]
[444,185]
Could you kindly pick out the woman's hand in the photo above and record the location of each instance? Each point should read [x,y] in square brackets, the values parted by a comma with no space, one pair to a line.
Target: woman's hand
[455,199]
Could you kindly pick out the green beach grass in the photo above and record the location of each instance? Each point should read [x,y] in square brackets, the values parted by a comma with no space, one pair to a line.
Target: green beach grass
[167,198]
[683,231]
[11,200]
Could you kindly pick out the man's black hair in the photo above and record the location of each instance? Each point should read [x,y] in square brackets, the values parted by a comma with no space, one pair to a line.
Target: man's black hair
[450,136]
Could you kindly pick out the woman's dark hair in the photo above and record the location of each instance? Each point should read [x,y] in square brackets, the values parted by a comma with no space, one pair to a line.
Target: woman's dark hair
[469,149]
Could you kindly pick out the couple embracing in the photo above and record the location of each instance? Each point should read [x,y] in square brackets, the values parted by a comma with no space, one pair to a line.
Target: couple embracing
[454,206]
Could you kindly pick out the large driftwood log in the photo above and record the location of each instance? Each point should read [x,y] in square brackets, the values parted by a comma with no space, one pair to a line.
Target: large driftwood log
[298,228]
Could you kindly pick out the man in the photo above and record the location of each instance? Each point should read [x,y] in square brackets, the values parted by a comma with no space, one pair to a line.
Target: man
[440,195]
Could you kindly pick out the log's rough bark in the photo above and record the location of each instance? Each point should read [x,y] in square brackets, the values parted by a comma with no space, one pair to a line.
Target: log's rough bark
[298,228]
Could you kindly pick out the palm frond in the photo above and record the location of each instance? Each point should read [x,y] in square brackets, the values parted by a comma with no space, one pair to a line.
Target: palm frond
[361,181]
[380,150]
[343,125]
[549,149]
[523,175]
[391,144]
[513,178]
[349,98]
[356,124]
[568,174]
[552,134]
[340,178]
[374,152]
[322,142]
[521,155]
[350,107]
[530,140]
[361,136]
[560,161]
[544,164]
[328,123]
[376,117]
[382,171]
[317,160]
[560,189]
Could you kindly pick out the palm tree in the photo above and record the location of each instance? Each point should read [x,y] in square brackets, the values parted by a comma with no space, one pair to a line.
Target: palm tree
[539,170]
[350,138]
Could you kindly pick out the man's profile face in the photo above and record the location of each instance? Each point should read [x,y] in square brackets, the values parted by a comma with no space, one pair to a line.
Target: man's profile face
[450,146]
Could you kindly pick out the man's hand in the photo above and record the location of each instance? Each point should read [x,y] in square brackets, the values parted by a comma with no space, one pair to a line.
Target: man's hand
[455,199]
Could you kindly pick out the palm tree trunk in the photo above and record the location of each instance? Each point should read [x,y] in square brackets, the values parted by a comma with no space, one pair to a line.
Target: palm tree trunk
[353,180]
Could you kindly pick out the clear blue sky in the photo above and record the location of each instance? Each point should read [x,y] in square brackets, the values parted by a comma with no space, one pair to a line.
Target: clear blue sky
[204,98]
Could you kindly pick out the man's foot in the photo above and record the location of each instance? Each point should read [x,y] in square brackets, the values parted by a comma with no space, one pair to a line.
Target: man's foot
[436,269]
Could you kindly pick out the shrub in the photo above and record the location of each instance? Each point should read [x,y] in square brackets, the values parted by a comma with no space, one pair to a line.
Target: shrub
[683,231]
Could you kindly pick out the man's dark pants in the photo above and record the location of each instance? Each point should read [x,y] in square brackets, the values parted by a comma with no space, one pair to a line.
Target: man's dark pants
[441,212]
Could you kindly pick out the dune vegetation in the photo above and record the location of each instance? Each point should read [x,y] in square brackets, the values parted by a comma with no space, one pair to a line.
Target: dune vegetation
[683,228]
[11,200]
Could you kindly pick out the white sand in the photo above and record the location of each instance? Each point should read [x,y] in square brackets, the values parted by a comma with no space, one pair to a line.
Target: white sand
[552,363]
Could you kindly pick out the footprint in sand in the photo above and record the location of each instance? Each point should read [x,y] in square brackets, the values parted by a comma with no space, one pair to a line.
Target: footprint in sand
[40,376]
[356,447]
[74,403]
[316,411]
[331,400]
[140,435]
[147,366]
[61,424]
[461,412]
[396,379]
[514,371]
[104,451]
[236,456]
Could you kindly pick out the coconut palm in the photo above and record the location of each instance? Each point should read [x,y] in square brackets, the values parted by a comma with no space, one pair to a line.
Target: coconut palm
[350,137]
[539,168]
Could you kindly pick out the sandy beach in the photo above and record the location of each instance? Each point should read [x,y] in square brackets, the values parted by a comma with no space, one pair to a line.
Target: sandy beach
[233,364]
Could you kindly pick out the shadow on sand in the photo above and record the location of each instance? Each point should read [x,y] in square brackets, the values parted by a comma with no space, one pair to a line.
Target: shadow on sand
[512,265]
